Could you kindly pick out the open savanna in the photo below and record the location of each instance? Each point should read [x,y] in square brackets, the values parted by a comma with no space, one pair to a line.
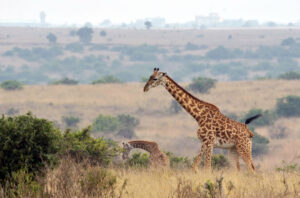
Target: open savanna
[173,132]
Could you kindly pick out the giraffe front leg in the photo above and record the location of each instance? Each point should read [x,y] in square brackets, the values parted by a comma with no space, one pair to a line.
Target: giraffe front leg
[208,153]
[198,159]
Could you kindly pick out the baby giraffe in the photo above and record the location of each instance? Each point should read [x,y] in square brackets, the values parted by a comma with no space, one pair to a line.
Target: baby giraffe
[157,157]
[215,129]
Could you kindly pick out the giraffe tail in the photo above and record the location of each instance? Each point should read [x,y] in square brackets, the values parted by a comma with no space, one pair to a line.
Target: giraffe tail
[248,120]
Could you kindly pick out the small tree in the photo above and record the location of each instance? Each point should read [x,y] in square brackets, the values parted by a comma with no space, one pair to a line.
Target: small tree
[105,123]
[290,76]
[107,79]
[103,33]
[85,34]
[288,106]
[202,85]
[51,38]
[65,81]
[11,85]
[148,24]
[70,121]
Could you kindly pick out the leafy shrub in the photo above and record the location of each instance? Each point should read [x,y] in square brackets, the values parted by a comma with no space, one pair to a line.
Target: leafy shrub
[103,33]
[288,106]
[11,85]
[219,161]
[289,167]
[202,85]
[267,117]
[85,34]
[51,38]
[288,41]
[65,81]
[107,79]
[178,162]
[290,76]
[175,107]
[219,53]
[127,121]
[138,160]
[70,121]
[74,47]
[99,183]
[105,123]
[27,142]
[81,145]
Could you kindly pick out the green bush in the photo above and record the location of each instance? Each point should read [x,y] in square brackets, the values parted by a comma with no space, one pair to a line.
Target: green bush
[81,145]
[290,76]
[74,47]
[103,33]
[107,79]
[51,38]
[65,81]
[127,121]
[267,117]
[178,162]
[27,142]
[288,41]
[138,160]
[11,85]
[288,106]
[70,121]
[202,85]
[85,34]
[219,161]
[259,144]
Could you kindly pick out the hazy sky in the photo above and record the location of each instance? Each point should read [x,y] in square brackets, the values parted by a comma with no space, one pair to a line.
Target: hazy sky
[95,11]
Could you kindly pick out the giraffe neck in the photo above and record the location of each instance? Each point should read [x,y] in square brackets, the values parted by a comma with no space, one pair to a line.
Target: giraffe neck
[145,146]
[195,107]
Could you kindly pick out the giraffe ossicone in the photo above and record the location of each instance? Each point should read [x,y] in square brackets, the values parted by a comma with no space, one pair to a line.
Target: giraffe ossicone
[215,129]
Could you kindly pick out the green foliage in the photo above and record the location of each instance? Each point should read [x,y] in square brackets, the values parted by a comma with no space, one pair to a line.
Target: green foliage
[178,161]
[51,38]
[219,161]
[221,52]
[70,121]
[108,123]
[99,183]
[138,160]
[289,167]
[175,107]
[27,142]
[107,79]
[288,106]
[81,145]
[74,47]
[11,85]
[105,123]
[288,42]
[290,76]
[65,81]
[267,118]
[85,34]
[103,33]
[202,84]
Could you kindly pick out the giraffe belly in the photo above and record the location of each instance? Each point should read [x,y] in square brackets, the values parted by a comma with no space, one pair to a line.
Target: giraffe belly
[221,143]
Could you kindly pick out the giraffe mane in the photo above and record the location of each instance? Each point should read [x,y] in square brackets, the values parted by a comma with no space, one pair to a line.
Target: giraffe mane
[189,94]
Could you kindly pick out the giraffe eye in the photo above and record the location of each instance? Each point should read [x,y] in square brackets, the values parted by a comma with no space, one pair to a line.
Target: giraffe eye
[154,79]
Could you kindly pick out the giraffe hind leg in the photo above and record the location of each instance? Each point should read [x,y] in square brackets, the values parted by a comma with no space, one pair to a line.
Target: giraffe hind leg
[245,152]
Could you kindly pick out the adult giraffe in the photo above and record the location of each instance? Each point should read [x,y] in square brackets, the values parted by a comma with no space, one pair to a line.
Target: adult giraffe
[215,129]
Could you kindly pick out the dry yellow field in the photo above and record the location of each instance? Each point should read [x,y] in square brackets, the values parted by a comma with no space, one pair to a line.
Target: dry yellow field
[171,131]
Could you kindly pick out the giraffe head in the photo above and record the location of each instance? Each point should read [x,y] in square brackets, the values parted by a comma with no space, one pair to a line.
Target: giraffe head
[157,78]
[126,150]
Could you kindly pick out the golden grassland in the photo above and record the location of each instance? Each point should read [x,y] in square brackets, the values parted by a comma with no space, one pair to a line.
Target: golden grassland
[171,131]
[74,180]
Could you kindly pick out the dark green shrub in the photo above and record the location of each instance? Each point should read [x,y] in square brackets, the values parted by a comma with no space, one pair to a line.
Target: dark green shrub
[138,160]
[219,53]
[290,76]
[70,121]
[288,106]
[103,33]
[267,117]
[105,123]
[11,85]
[81,145]
[27,142]
[175,107]
[51,38]
[178,162]
[99,183]
[127,121]
[202,84]
[288,41]
[259,144]
[85,34]
[219,161]
[65,81]
[74,47]
[107,79]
